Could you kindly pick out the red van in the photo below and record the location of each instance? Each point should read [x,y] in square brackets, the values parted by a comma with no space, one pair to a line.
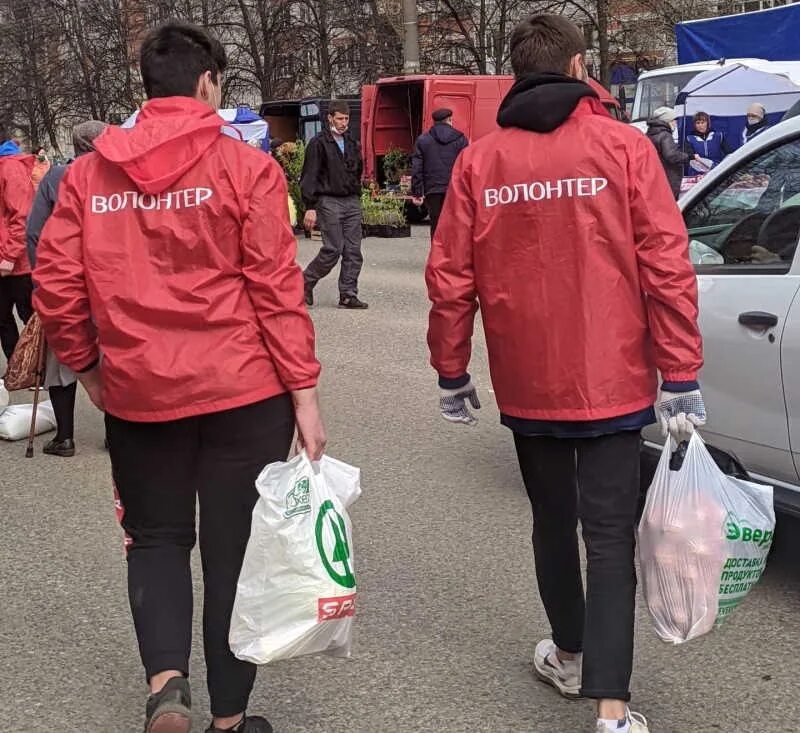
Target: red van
[397,110]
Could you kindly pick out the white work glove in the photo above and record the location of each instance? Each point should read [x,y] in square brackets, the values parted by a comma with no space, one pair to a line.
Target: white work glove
[680,413]
[453,404]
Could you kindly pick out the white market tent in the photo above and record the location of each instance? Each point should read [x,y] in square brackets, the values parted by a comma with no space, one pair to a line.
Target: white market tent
[243,124]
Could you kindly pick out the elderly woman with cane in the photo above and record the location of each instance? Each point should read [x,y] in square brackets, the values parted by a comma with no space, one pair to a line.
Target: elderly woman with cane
[58,379]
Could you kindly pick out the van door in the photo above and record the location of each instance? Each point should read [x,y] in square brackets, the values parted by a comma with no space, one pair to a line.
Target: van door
[368,92]
[743,239]
[456,95]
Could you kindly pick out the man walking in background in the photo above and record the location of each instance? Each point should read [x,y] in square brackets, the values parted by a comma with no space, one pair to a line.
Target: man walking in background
[16,197]
[331,188]
[169,252]
[432,163]
[563,226]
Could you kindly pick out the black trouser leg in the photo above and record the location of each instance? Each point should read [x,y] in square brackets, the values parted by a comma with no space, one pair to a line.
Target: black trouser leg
[63,399]
[235,446]
[549,471]
[608,476]
[9,333]
[434,203]
[155,468]
[606,470]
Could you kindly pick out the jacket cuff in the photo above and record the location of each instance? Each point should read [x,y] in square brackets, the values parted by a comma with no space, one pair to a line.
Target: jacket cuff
[680,386]
[304,384]
[454,382]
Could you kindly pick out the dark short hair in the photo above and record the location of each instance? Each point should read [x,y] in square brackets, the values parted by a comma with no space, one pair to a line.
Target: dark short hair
[545,44]
[339,106]
[701,116]
[175,55]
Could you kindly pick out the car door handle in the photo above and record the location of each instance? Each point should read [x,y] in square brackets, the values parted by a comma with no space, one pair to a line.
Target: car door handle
[758,319]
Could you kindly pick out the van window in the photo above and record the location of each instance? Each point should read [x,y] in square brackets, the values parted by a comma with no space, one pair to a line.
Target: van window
[659,91]
[750,221]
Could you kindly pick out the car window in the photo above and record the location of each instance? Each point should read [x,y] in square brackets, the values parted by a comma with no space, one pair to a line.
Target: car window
[750,221]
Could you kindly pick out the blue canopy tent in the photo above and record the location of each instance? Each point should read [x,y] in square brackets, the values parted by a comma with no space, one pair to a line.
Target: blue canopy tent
[764,34]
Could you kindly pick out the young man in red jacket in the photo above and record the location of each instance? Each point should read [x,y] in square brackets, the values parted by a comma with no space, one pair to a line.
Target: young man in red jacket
[562,226]
[170,253]
[16,198]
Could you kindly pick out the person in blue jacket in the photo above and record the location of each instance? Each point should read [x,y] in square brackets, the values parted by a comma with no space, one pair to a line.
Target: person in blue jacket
[705,141]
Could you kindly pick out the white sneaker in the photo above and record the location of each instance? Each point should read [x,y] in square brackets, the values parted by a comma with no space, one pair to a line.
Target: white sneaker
[637,724]
[564,676]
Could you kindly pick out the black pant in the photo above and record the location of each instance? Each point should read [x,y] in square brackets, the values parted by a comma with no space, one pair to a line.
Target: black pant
[434,203]
[595,480]
[339,220]
[15,290]
[159,471]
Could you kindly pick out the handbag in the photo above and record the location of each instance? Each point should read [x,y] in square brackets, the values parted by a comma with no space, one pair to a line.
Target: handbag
[26,365]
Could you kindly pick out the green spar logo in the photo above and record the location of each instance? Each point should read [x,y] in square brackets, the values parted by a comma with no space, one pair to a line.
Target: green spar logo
[736,532]
[328,516]
[298,500]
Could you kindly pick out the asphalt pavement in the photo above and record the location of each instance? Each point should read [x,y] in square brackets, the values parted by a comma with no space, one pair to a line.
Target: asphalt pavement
[448,611]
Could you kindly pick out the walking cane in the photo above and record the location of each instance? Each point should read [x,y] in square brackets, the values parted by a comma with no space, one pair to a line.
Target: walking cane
[41,351]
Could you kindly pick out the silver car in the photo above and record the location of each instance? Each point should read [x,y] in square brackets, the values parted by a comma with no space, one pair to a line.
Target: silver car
[744,223]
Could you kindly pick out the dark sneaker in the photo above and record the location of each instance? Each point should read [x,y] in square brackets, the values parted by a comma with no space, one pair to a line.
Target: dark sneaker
[255,724]
[169,711]
[309,296]
[352,303]
[63,448]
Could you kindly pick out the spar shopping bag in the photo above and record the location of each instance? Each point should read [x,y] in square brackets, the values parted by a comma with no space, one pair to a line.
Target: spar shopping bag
[704,538]
[296,593]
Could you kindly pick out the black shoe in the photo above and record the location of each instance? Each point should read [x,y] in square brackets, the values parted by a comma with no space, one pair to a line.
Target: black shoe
[351,302]
[63,448]
[309,296]
[169,711]
[256,724]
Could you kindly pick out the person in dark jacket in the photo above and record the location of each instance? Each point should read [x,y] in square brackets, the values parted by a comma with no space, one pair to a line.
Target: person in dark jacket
[331,188]
[60,380]
[705,141]
[432,163]
[757,122]
[659,130]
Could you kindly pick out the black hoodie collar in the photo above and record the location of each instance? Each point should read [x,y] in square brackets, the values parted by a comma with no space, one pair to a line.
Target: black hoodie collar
[542,102]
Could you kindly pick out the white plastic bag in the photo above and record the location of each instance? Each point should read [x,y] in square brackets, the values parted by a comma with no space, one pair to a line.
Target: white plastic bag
[15,420]
[704,538]
[4,397]
[297,588]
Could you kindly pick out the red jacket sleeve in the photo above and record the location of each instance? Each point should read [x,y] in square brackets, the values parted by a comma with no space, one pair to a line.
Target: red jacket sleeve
[17,199]
[275,281]
[665,271]
[451,281]
[61,296]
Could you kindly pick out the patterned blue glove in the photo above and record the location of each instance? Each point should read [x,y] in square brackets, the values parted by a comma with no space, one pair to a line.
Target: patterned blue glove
[453,404]
[680,413]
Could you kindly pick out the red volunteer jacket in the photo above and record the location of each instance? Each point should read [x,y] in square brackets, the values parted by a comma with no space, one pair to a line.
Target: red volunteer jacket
[571,242]
[16,198]
[169,252]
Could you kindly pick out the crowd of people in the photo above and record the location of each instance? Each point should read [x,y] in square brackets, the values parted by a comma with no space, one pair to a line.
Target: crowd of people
[704,147]
[170,245]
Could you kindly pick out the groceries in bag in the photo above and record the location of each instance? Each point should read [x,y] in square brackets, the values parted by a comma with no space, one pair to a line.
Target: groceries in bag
[15,420]
[296,593]
[704,538]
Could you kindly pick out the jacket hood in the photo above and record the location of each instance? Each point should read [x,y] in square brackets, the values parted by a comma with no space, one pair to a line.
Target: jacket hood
[655,127]
[9,147]
[445,134]
[170,136]
[542,102]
